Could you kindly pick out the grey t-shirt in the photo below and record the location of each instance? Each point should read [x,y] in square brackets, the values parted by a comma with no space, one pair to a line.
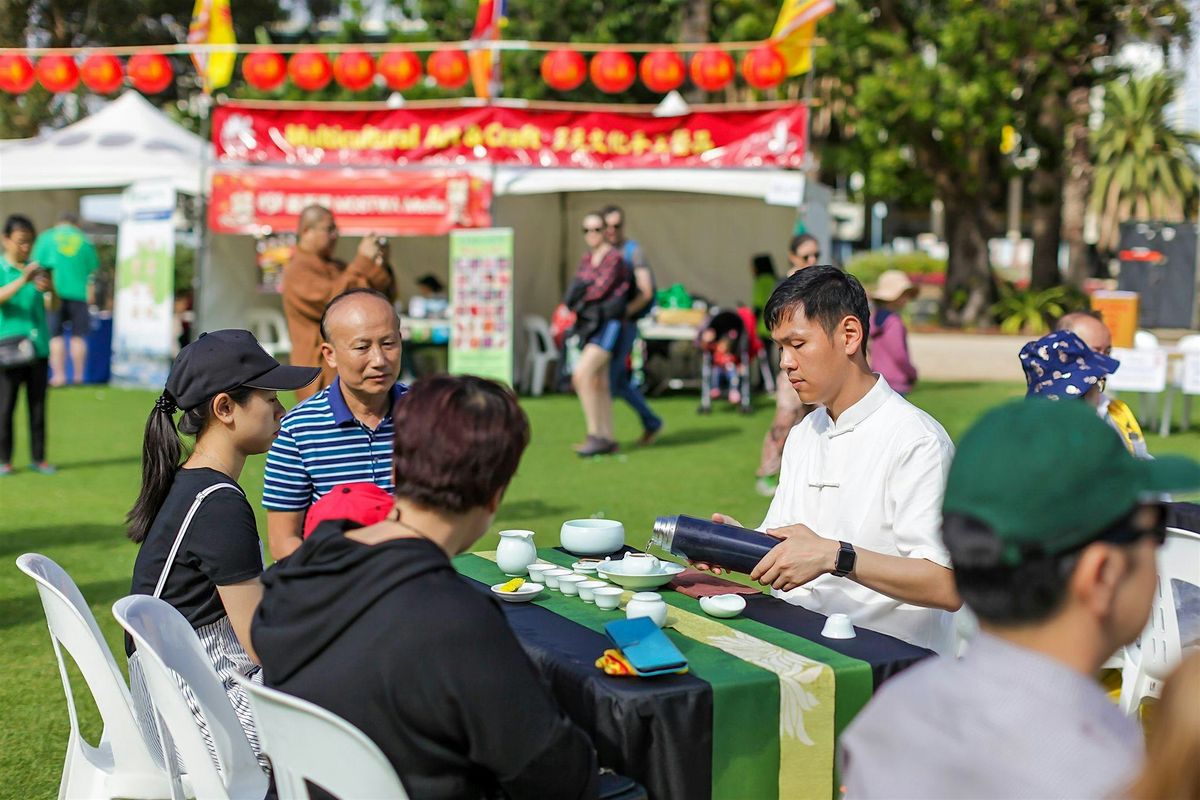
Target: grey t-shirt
[1002,722]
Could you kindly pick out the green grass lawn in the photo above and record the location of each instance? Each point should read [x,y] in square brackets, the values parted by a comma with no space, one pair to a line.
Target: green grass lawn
[699,465]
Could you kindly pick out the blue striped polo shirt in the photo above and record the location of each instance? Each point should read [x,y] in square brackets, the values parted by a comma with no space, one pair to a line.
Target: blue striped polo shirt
[322,444]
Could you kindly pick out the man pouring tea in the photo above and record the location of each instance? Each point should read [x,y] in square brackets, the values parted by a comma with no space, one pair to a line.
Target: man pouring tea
[858,509]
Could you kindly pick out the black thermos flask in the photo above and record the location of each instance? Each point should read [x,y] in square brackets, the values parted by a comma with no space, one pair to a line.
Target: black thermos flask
[711,542]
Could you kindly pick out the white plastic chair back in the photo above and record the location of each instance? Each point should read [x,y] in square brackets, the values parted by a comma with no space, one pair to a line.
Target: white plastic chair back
[122,766]
[539,352]
[270,328]
[306,742]
[170,654]
[1145,340]
[1189,378]
[1161,646]
[1142,370]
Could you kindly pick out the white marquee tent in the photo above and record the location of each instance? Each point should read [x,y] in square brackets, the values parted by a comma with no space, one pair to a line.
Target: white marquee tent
[125,141]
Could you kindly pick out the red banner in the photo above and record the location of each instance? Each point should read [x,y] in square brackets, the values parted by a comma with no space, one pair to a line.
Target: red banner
[393,203]
[387,137]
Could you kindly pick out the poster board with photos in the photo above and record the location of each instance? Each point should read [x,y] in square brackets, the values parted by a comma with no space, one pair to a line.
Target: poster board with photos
[481,302]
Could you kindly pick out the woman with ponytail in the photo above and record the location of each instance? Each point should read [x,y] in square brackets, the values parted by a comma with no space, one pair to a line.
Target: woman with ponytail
[200,549]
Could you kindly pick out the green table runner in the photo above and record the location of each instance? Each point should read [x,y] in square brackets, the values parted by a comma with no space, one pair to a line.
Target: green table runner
[779,701]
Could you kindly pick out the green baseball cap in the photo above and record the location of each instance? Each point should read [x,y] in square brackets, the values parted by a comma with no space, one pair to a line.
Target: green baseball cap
[1048,477]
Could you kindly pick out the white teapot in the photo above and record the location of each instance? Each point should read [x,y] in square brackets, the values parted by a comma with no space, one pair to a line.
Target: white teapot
[640,564]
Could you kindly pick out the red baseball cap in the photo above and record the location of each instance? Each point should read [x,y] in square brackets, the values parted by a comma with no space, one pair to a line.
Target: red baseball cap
[364,503]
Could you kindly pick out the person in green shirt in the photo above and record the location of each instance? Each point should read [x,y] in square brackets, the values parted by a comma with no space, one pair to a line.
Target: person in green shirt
[71,259]
[23,285]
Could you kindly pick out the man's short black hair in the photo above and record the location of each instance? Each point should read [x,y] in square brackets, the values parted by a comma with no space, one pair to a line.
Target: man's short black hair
[612,209]
[825,294]
[340,297]
[1004,595]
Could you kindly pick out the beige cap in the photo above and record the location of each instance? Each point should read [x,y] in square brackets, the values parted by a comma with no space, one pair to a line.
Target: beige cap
[891,285]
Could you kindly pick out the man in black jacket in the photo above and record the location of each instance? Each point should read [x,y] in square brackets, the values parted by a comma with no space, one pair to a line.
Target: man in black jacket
[375,625]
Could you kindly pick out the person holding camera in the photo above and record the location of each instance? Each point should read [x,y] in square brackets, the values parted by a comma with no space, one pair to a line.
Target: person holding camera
[24,342]
[313,277]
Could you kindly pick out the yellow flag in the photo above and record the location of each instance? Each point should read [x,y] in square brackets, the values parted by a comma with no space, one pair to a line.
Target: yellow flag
[212,23]
[794,31]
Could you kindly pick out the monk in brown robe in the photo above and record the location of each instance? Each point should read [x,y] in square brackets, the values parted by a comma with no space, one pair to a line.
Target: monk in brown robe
[313,277]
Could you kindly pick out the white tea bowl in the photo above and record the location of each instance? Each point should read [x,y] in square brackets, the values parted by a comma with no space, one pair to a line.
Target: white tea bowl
[592,537]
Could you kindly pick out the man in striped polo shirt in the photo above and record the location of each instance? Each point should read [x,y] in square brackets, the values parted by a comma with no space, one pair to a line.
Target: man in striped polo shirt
[342,434]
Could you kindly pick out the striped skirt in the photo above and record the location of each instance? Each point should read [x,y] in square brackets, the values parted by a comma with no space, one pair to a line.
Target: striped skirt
[228,658]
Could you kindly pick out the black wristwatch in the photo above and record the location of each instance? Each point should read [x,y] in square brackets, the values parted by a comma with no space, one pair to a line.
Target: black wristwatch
[846,559]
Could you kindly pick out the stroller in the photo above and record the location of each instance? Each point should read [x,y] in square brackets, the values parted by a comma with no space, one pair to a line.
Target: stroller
[729,346]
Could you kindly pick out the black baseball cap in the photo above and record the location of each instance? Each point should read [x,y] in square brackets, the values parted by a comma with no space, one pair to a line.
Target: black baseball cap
[221,361]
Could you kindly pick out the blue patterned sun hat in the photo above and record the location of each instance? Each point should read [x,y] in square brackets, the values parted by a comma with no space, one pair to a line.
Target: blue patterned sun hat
[1060,365]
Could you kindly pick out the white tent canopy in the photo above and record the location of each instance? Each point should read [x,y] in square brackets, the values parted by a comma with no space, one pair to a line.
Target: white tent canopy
[126,141]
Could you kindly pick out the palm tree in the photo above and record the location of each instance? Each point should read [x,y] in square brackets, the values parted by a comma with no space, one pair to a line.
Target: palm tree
[1144,168]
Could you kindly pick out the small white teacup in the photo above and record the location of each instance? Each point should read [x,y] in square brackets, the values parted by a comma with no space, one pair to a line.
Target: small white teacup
[587,587]
[639,564]
[607,597]
[552,576]
[569,584]
[536,571]
[838,626]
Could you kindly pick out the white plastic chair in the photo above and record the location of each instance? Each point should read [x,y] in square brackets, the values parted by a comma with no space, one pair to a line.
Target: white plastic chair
[1189,374]
[1145,340]
[270,328]
[1143,370]
[306,742]
[123,764]
[539,353]
[1160,648]
[170,654]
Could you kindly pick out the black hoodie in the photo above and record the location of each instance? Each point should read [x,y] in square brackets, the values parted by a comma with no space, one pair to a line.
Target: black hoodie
[390,638]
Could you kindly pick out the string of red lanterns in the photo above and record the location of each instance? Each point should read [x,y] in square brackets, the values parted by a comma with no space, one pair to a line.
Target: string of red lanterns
[661,70]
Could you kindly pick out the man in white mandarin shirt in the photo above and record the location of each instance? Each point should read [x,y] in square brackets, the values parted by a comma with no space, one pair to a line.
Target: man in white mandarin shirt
[858,509]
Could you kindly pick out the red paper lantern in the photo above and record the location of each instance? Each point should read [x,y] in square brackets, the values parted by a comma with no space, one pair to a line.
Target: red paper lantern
[16,74]
[150,73]
[661,70]
[310,70]
[563,70]
[400,68]
[763,67]
[449,68]
[711,69]
[102,73]
[57,73]
[264,71]
[354,70]
[612,71]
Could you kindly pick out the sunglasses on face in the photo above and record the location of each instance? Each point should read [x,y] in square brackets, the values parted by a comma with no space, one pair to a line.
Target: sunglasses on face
[1134,527]
[593,230]
[616,226]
